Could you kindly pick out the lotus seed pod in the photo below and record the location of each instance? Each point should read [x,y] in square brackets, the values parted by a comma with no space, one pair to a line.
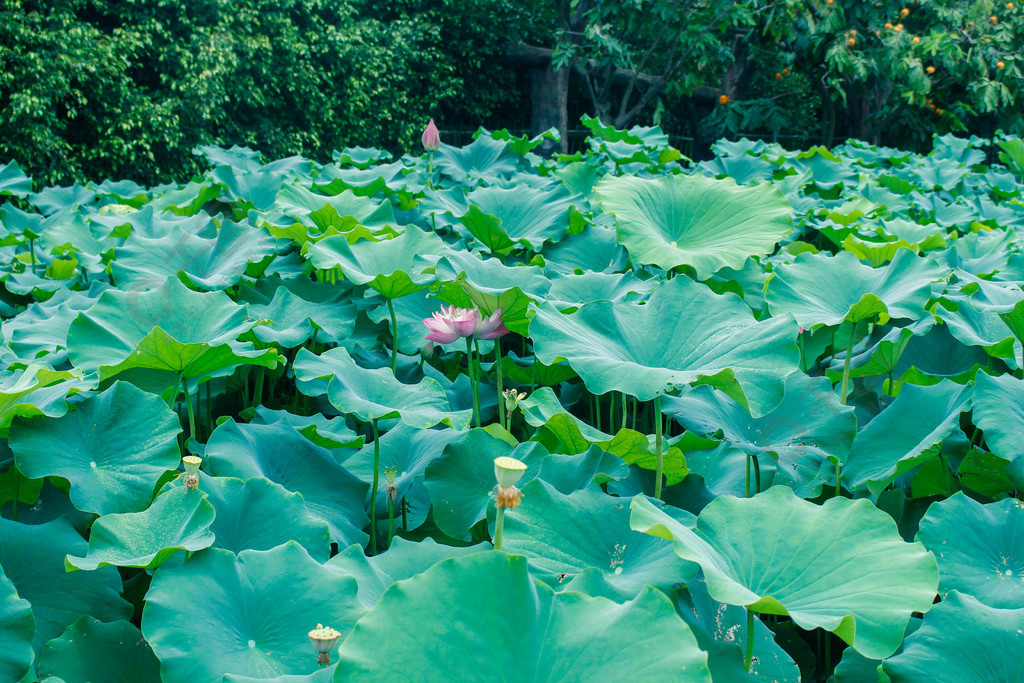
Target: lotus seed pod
[191,464]
[508,471]
[324,638]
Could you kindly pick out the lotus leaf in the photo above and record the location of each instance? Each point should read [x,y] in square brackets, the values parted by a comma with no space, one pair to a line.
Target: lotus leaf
[960,640]
[980,548]
[513,628]
[32,557]
[112,466]
[709,224]
[562,535]
[841,566]
[90,650]
[177,520]
[16,628]
[683,333]
[169,331]
[905,434]
[826,290]
[281,454]
[247,614]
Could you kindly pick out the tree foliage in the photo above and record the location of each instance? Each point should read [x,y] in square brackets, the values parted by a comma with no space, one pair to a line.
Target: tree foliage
[127,88]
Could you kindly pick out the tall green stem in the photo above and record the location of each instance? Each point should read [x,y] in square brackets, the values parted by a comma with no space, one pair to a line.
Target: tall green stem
[657,446]
[501,381]
[846,363]
[748,656]
[373,491]
[391,520]
[430,169]
[394,337]
[257,392]
[473,380]
[191,412]
[499,527]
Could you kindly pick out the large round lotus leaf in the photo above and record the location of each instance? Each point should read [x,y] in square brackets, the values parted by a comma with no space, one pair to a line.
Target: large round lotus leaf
[962,640]
[511,628]
[282,455]
[378,394]
[680,220]
[393,267]
[841,566]
[807,433]
[461,482]
[91,651]
[826,290]
[16,629]
[409,451]
[501,218]
[112,463]
[904,435]
[402,560]
[32,557]
[35,391]
[999,411]
[247,614]
[214,262]
[683,333]
[980,548]
[594,250]
[167,331]
[325,675]
[258,514]
[564,534]
[177,520]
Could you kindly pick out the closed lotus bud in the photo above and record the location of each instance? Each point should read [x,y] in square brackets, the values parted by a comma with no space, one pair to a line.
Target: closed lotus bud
[431,137]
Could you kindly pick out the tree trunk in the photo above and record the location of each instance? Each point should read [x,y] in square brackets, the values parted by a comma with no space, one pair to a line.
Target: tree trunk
[549,98]
[737,76]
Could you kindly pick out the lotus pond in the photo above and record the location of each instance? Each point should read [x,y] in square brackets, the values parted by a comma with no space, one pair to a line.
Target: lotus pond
[758,418]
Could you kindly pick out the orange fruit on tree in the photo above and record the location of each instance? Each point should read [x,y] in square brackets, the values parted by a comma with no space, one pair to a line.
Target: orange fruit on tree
[930,69]
[1000,64]
[724,99]
[1009,5]
[916,40]
[898,27]
[785,72]
[851,42]
[904,12]
[994,19]
[888,25]
[778,74]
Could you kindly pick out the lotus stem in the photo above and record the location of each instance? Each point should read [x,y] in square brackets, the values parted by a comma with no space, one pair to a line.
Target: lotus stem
[257,392]
[373,490]
[191,412]
[473,380]
[209,410]
[391,520]
[32,253]
[657,447]
[174,391]
[394,337]
[14,503]
[499,527]
[430,169]
[501,381]
[597,412]
[846,363]
[624,400]
[611,412]
[748,656]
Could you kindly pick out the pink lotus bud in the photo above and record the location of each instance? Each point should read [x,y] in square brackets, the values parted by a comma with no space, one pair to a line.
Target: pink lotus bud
[431,137]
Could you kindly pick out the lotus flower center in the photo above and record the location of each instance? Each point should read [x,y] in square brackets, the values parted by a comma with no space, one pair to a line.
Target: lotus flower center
[673,243]
[1008,572]
[252,643]
[92,464]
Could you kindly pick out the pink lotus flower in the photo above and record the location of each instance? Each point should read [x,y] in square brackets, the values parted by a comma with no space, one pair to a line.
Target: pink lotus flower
[451,323]
[431,138]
